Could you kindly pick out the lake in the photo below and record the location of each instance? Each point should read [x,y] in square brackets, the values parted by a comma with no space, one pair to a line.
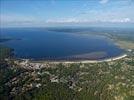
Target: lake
[40,43]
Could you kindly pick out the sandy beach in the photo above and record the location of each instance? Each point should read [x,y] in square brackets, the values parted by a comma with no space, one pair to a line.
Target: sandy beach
[90,61]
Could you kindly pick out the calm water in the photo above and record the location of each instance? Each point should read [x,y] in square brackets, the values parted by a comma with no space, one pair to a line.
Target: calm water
[38,43]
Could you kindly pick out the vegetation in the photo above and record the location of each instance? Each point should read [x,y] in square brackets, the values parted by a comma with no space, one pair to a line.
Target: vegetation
[5,52]
[98,81]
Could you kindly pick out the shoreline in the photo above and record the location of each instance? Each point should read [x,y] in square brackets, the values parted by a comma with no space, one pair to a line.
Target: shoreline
[29,64]
[83,61]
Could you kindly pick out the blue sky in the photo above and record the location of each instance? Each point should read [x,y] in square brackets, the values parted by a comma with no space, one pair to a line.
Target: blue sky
[16,13]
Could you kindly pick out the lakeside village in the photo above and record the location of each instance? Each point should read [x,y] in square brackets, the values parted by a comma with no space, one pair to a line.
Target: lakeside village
[115,77]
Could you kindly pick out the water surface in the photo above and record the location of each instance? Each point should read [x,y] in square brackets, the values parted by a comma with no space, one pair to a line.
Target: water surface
[39,43]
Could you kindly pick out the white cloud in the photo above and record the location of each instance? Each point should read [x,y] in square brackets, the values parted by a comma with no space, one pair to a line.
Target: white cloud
[75,20]
[104,1]
[63,20]
[17,20]
[122,20]
[126,20]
